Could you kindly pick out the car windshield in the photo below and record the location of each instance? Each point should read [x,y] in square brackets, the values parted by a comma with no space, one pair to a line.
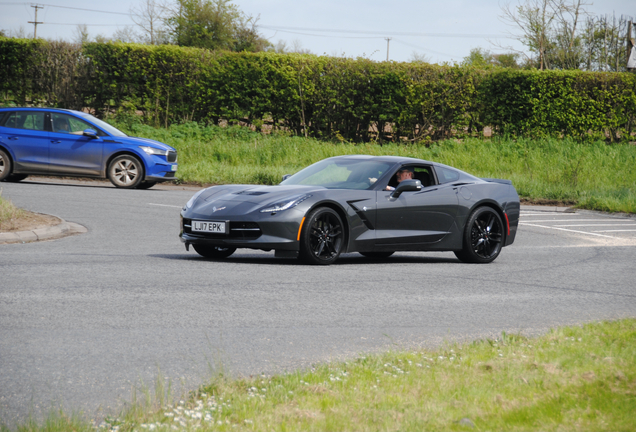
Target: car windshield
[340,174]
[110,130]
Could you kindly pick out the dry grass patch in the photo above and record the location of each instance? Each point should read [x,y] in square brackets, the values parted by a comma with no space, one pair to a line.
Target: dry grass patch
[14,219]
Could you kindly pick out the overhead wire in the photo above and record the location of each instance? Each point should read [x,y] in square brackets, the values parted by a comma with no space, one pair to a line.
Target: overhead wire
[386,33]
[68,7]
[303,31]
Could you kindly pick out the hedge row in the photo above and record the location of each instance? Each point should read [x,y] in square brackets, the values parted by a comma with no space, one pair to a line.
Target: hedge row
[327,97]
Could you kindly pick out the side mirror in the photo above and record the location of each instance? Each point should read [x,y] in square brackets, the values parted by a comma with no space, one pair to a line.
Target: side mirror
[412,185]
[286,176]
[91,133]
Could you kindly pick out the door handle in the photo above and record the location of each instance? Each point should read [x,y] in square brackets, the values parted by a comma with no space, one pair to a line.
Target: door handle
[56,142]
[13,138]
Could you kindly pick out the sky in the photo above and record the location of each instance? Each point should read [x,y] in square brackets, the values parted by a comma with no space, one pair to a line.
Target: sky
[441,31]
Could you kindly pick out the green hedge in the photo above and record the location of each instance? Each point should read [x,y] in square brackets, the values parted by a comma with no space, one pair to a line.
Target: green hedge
[560,103]
[357,100]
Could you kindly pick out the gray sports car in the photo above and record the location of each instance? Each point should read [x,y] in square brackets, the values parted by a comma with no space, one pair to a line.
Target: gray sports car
[366,204]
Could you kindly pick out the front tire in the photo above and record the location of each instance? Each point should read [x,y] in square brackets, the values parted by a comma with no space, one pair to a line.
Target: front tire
[126,172]
[214,252]
[322,237]
[483,237]
[146,185]
[5,165]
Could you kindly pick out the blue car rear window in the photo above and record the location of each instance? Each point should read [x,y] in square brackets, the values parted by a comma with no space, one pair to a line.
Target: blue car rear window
[31,120]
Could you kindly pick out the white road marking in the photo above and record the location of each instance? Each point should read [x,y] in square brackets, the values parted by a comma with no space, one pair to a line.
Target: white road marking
[630,230]
[595,225]
[523,213]
[165,205]
[568,230]
[569,220]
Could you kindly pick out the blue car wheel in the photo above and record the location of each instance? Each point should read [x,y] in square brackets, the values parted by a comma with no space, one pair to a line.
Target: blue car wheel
[5,165]
[126,172]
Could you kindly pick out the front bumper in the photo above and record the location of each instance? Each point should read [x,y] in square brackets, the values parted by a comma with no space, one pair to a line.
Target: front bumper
[279,231]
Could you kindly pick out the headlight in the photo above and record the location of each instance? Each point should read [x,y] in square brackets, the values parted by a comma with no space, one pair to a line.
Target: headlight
[154,151]
[286,204]
[190,203]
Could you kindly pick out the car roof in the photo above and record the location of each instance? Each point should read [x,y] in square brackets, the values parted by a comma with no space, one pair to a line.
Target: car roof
[391,159]
[403,160]
[41,109]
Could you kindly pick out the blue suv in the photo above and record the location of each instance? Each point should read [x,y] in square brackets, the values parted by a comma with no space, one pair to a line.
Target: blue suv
[59,142]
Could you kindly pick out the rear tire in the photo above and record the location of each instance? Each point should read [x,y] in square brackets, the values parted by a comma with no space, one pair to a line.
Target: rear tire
[16,177]
[377,255]
[5,165]
[483,237]
[214,252]
[126,172]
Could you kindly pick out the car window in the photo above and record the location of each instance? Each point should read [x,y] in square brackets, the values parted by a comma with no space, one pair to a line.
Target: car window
[111,130]
[424,175]
[421,173]
[446,175]
[340,174]
[64,123]
[31,120]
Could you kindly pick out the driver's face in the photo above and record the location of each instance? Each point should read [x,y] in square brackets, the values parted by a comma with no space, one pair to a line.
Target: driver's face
[404,175]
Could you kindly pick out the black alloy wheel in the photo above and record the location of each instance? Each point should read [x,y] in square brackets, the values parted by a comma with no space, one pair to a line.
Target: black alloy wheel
[5,165]
[214,252]
[483,237]
[377,255]
[322,237]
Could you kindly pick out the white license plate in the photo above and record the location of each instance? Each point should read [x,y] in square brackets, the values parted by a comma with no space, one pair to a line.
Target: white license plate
[208,227]
[173,168]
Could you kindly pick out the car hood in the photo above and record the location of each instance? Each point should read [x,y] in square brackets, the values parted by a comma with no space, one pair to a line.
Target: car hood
[144,141]
[242,199]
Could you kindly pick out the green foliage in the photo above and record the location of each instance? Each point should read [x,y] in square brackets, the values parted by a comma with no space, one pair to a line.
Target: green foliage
[590,175]
[329,98]
[578,378]
[215,25]
[204,23]
[53,73]
[560,103]
[19,58]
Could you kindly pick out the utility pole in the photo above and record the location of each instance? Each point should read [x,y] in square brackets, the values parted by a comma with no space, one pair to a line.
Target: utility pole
[387,48]
[36,22]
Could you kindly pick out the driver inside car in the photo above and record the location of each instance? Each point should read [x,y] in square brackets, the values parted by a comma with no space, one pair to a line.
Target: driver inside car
[404,173]
[60,126]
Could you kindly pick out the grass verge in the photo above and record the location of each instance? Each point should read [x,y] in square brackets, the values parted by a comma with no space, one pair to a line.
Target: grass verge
[578,378]
[592,175]
[9,214]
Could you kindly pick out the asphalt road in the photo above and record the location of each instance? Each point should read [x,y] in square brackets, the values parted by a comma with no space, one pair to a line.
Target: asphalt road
[86,318]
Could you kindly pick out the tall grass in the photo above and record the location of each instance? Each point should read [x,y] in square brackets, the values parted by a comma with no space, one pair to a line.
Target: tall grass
[578,378]
[593,175]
